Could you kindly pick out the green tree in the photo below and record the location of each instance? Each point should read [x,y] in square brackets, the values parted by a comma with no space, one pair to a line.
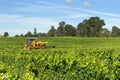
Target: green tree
[115,31]
[35,32]
[28,34]
[83,29]
[60,30]
[90,27]
[16,35]
[21,35]
[105,33]
[69,30]
[52,32]
[42,34]
[6,34]
[62,23]
[96,26]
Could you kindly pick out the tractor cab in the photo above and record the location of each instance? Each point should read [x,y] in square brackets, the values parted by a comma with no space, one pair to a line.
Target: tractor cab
[30,40]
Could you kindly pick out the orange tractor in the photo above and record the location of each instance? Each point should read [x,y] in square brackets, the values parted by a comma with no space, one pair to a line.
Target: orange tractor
[33,43]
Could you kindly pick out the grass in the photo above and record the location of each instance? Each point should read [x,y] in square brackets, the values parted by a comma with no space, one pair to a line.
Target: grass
[66,42]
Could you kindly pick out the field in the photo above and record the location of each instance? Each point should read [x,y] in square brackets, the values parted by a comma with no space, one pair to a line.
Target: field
[74,58]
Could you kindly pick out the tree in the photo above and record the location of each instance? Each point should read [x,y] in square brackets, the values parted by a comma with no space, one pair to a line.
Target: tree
[60,30]
[105,32]
[16,35]
[62,23]
[21,35]
[90,27]
[35,32]
[28,34]
[69,30]
[115,31]
[42,34]
[83,29]
[6,34]
[52,32]
[96,26]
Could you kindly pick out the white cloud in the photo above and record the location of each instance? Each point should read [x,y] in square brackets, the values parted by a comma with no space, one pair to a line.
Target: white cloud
[69,1]
[99,13]
[65,8]
[43,5]
[110,22]
[79,16]
[86,4]
[98,0]
[17,24]
[11,32]
[25,19]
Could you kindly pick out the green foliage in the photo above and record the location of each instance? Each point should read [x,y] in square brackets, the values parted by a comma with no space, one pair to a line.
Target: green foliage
[35,32]
[28,34]
[91,27]
[52,32]
[6,34]
[105,32]
[73,59]
[115,31]
[69,30]
[60,30]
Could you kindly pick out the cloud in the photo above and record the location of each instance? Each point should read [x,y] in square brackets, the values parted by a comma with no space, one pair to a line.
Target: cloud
[86,4]
[98,0]
[11,31]
[69,1]
[110,22]
[53,7]
[98,12]
[79,16]
[40,7]
[17,24]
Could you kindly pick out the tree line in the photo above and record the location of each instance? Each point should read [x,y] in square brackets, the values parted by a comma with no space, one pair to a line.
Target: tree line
[92,27]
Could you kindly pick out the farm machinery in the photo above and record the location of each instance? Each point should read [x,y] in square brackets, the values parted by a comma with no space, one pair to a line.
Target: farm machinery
[33,43]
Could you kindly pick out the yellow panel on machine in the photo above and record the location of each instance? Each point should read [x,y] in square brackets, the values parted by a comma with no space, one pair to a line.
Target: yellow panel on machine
[33,43]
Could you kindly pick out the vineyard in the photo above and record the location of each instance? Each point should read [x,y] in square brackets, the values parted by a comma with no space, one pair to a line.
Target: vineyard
[74,58]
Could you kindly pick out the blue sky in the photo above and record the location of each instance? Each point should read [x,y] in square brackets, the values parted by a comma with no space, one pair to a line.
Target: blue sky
[21,16]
